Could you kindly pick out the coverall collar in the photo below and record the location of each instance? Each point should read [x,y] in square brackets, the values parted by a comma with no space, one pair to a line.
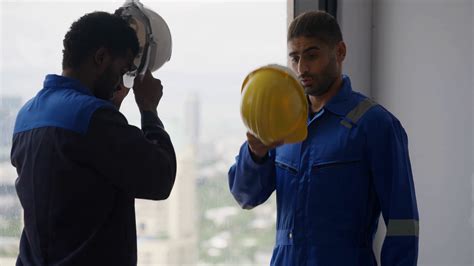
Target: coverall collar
[340,104]
[55,81]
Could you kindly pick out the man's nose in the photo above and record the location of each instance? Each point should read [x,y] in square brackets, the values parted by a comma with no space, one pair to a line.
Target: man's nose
[302,67]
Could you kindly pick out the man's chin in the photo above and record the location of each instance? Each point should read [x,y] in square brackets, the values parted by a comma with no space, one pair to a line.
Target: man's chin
[320,88]
[316,91]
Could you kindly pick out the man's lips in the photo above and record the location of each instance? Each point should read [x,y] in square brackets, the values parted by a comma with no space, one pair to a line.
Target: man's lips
[306,82]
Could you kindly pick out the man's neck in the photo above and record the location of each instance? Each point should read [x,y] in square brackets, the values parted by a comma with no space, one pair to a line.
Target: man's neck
[318,102]
[84,79]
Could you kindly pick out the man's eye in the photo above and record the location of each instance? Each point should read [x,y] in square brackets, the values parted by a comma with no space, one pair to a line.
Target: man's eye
[312,56]
[295,59]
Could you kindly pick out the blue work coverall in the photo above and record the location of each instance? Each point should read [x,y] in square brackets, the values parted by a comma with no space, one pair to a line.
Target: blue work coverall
[332,187]
[80,167]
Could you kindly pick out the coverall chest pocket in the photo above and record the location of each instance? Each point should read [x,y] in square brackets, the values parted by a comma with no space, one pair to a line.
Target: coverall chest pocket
[286,176]
[285,172]
[333,188]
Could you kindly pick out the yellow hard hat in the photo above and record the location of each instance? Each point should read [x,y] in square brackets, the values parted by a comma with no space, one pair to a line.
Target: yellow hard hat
[273,105]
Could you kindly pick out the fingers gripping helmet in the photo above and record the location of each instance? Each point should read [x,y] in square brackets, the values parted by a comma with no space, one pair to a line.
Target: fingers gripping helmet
[153,35]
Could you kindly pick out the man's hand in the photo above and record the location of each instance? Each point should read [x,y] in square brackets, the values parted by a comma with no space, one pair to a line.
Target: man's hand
[120,95]
[258,149]
[148,92]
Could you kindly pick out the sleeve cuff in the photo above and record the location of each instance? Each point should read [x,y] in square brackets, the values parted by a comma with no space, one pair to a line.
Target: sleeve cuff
[150,120]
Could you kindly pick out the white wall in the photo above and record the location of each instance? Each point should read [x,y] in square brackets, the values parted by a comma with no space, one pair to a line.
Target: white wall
[422,71]
[355,19]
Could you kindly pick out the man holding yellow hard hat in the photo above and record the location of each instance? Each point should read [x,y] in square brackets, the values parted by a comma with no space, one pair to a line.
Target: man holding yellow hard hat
[334,176]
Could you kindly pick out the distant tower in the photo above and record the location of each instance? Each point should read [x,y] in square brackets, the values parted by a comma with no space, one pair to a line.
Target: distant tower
[168,230]
[192,120]
[183,215]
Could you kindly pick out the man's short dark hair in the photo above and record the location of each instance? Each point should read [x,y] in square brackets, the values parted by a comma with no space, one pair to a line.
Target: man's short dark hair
[93,31]
[316,24]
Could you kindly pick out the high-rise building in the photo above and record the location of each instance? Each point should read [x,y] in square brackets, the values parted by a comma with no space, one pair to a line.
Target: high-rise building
[167,230]
[9,106]
[192,120]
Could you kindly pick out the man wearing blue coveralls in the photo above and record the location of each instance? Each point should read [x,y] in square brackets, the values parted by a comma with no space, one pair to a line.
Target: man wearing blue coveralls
[332,187]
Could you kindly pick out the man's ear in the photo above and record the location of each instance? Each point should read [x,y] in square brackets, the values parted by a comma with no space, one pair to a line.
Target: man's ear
[341,51]
[101,57]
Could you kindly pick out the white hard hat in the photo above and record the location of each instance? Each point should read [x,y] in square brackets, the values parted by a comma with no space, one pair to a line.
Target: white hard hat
[153,35]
